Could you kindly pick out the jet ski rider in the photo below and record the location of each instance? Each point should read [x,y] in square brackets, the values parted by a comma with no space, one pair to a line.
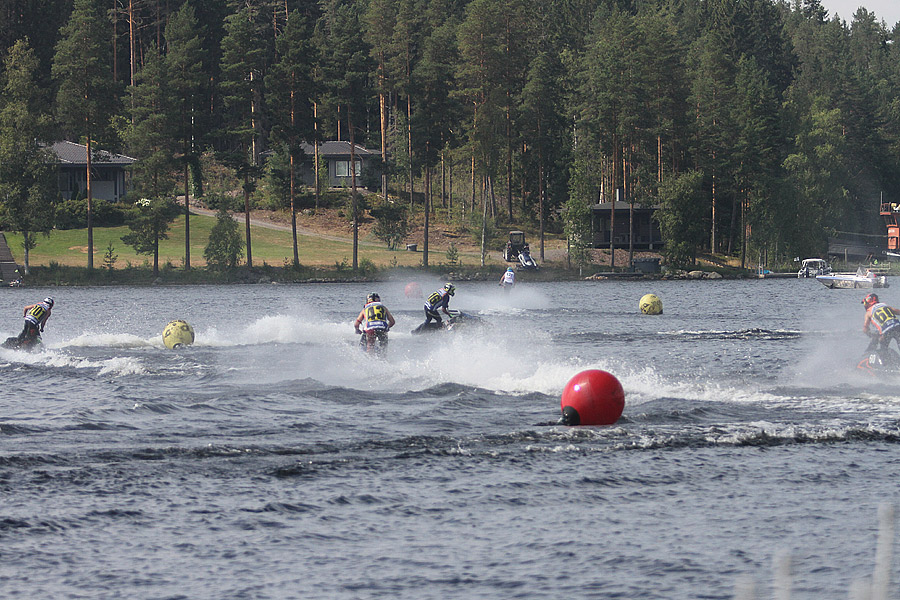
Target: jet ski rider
[439,300]
[885,319]
[36,316]
[376,321]
[508,279]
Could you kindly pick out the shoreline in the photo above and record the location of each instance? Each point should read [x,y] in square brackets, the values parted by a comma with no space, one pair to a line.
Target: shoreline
[60,276]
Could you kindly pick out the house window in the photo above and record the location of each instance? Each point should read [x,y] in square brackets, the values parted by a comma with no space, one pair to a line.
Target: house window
[342,168]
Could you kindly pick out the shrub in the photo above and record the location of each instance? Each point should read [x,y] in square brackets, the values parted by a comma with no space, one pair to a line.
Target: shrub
[72,214]
[225,245]
[391,225]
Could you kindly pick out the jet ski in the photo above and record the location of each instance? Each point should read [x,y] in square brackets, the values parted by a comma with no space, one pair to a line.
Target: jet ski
[526,261]
[457,319]
[881,364]
[373,342]
[31,343]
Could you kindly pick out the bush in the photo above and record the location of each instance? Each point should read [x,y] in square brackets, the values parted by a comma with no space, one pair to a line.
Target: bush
[391,225]
[219,201]
[72,214]
[225,245]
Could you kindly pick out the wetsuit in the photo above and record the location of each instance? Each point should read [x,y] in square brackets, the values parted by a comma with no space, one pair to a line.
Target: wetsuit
[886,322]
[36,316]
[438,300]
[375,320]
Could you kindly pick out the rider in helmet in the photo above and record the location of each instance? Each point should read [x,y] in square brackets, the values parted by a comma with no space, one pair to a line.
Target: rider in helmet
[376,321]
[438,300]
[508,279]
[36,316]
[886,321]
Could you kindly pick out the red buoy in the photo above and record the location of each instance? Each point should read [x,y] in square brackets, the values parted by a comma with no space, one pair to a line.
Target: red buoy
[413,290]
[592,397]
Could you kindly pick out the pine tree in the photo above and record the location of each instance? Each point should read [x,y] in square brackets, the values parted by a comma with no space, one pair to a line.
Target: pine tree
[346,64]
[184,63]
[149,221]
[380,18]
[27,170]
[290,99]
[542,127]
[243,61]
[86,99]
[712,99]
[150,139]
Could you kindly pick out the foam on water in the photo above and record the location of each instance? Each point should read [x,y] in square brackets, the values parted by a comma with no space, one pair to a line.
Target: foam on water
[110,340]
[48,357]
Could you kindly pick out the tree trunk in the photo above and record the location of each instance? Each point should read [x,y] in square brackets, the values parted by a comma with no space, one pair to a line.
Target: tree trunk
[472,199]
[294,216]
[733,225]
[410,146]
[247,218]
[383,110]
[712,233]
[90,209]
[509,155]
[187,215]
[156,257]
[493,198]
[114,13]
[316,151]
[26,237]
[443,178]
[427,213]
[353,192]
[483,228]
[449,188]
[630,197]
[291,152]
[541,197]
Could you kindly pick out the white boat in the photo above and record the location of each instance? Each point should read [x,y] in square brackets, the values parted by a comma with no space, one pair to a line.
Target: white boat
[863,278]
[812,267]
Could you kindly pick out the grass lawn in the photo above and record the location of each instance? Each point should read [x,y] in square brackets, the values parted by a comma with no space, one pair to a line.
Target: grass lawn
[270,246]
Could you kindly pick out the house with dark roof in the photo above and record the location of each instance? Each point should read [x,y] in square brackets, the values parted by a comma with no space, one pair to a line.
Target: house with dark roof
[613,220]
[336,157]
[109,172]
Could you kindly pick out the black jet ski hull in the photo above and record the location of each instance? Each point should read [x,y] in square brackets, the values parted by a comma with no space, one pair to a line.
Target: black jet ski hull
[454,322]
[30,344]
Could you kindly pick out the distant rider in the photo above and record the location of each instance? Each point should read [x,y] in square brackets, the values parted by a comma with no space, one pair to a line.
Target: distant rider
[885,319]
[508,279]
[439,300]
[376,321]
[36,316]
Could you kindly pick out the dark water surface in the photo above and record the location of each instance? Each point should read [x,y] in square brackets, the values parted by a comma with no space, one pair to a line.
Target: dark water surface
[273,460]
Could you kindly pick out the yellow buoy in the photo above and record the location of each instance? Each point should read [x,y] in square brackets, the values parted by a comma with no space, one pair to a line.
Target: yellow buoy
[651,304]
[178,333]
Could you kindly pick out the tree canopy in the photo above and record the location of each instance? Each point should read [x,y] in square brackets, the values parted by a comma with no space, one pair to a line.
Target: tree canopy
[764,123]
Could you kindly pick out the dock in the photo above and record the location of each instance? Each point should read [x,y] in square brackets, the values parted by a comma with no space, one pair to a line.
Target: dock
[9,270]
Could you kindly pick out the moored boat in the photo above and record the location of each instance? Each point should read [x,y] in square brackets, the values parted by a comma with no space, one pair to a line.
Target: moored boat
[862,279]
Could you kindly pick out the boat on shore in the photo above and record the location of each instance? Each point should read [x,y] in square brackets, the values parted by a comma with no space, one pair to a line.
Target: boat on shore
[862,279]
[813,267]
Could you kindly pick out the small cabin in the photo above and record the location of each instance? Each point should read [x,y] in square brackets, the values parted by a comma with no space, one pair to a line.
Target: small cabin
[336,155]
[611,221]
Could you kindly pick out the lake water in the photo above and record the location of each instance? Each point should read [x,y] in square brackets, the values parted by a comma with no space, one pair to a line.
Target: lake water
[273,460]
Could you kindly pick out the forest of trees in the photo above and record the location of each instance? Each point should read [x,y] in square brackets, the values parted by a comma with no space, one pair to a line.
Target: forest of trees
[757,126]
